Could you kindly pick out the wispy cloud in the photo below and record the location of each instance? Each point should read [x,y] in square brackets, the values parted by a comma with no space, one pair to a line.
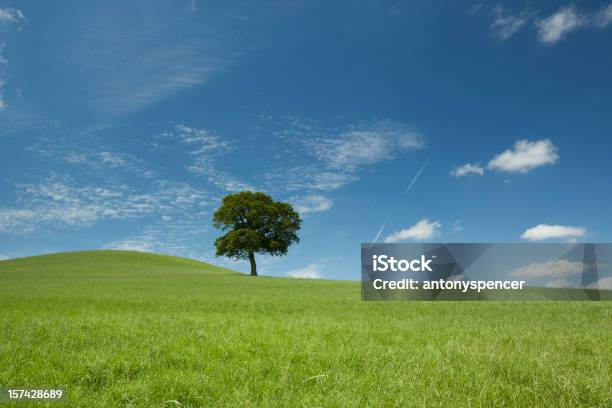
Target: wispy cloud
[59,203]
[312,177]
[358,148]
[422,230]
[311,203]
[556,26]
[603,17]
[3,59]
[552,28]
[467,170]
[104,160]
[173,234]
[525,156]
[312,271]
[205,149]
[11,17]
[505,25]
[2,103]
[138,54]
[544,231]
[325,158]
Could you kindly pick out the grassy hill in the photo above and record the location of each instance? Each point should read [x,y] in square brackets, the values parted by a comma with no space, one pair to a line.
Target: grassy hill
[121,328]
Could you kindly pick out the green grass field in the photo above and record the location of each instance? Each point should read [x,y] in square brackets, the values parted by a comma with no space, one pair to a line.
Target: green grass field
[131,329]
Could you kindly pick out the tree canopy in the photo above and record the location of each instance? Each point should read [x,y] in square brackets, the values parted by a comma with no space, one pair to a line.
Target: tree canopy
[255,223]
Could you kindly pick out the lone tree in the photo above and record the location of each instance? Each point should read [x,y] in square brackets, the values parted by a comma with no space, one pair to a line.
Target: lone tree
[255,223]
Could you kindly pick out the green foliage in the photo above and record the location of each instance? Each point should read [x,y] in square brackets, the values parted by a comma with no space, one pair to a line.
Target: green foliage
[119,329]
[255,224]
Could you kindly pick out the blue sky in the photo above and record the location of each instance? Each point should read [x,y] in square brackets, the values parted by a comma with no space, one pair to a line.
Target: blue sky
[123,125]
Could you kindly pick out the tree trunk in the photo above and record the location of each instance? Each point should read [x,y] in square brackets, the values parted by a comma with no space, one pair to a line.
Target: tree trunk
[253,264]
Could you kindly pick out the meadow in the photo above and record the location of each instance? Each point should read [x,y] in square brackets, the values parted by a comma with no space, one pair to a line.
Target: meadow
[126,329]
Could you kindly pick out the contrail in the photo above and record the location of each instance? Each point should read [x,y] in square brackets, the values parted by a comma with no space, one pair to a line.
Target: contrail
[380,230]
[416,177]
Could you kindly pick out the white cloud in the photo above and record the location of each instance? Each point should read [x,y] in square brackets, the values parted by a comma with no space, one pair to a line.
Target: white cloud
[3,257]
[422,230]
[603,17]
[506,25]
[604,283]
[312,271]
[556,26]
[467,170]
[357,148]
[545,231]
[558,283]
[559,268]
[311,203]
[11,16]
[59,203]
[525,156]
